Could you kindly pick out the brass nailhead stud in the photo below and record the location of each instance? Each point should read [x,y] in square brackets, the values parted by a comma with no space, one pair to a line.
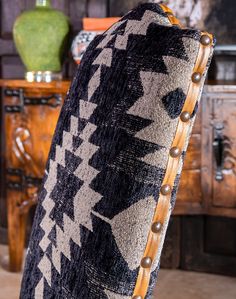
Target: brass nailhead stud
[174,152]
[137,297]
[165,189]
[156,227]
[205,40]
[146,262]
[196,77]
[185,116]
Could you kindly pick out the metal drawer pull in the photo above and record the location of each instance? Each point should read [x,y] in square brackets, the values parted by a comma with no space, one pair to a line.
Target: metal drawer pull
[218,149]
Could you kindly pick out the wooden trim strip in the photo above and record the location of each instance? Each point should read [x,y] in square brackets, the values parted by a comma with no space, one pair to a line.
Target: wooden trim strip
[163,208]
[170,15]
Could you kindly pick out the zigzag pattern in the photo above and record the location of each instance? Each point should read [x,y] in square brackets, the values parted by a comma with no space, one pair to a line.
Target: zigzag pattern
[85,198]
[159,130]
[86,150]
[48,204]
[139,27]
[110,151]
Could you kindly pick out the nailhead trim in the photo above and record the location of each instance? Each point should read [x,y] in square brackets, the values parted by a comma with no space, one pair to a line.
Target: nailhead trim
[196,77]
[175,152]
[146,262]
[163,205]
[185,116]
[165,189]
[156,227]
[205,40]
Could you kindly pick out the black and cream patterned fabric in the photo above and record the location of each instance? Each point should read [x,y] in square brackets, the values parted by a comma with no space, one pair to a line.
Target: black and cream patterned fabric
[108,159]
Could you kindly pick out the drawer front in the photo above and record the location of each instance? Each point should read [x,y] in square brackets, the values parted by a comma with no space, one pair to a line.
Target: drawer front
[224,153]
[219,153]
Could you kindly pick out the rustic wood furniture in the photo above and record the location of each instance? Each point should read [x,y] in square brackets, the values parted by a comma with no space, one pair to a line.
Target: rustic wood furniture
[207,189]
[208,184]
[30,112]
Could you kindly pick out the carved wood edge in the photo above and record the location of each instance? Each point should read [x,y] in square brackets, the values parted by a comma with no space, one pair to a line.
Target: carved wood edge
[163,209]
[21,135]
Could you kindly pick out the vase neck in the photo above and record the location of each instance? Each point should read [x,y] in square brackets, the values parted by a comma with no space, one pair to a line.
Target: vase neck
[43,3]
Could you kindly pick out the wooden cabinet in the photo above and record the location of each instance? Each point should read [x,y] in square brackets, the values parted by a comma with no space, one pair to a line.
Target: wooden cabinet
[30,113]
[207,242]
[208,182]
[219,150]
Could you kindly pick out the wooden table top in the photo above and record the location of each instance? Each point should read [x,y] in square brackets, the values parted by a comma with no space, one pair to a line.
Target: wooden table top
[54,86]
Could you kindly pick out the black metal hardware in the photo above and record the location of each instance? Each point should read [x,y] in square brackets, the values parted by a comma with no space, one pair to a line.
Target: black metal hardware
[218,148]
[22,181]
[53,101]
[12,109]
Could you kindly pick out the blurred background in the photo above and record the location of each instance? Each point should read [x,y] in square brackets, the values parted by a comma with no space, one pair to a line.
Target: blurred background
[199,255]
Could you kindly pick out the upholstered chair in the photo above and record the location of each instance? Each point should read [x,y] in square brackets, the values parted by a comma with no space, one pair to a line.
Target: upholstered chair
[114,166]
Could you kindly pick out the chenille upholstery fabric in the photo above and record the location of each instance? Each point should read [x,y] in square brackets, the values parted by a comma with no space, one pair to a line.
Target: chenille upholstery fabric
[108,159]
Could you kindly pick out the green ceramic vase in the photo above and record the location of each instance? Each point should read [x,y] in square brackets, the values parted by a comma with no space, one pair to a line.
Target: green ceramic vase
[40,36]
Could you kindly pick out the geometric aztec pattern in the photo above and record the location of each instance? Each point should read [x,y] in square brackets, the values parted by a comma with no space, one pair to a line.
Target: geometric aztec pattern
[108,159]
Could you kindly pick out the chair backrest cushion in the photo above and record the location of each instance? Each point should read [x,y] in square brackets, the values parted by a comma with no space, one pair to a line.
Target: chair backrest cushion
[115,161]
